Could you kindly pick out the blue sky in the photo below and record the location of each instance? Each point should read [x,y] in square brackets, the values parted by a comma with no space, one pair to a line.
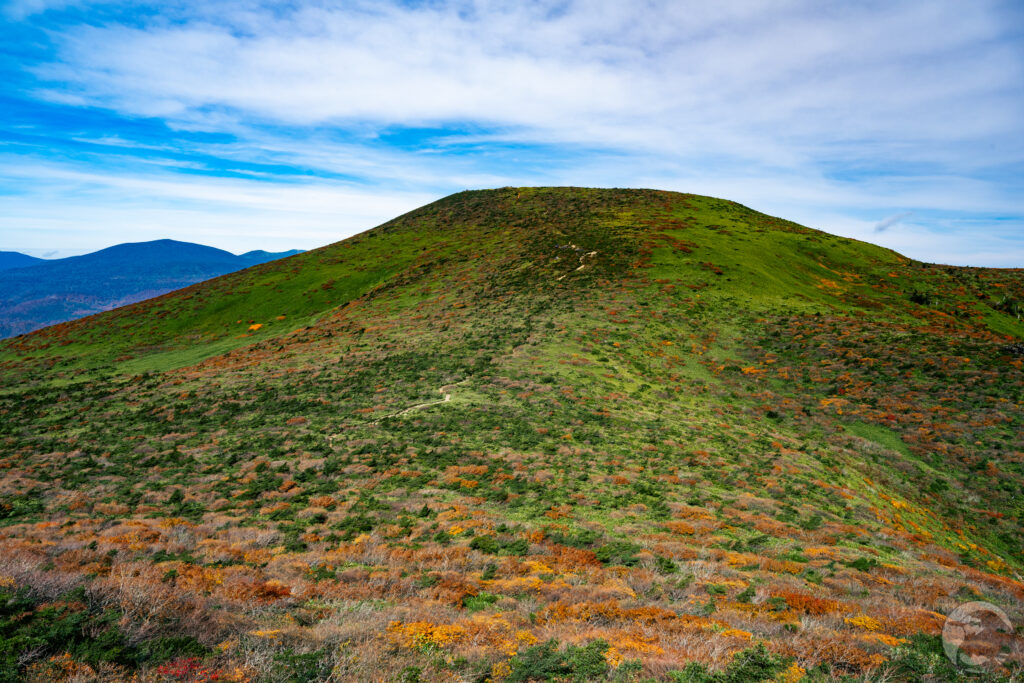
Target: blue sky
[248,125]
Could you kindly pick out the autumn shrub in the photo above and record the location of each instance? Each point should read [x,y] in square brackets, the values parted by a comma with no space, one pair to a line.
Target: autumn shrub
[833,654]
[188,669]
[809,604]
[424,635]
[607,612]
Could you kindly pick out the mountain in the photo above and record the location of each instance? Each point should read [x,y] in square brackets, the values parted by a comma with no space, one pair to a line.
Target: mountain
[527,434]
[13,259]
[259,256]
[50,292]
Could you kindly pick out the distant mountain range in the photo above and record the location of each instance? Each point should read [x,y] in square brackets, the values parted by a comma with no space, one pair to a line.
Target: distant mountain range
[13,259]
[35,293]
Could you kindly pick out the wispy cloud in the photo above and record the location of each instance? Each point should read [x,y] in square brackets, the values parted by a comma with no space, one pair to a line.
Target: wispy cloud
[808,109]
[887,223]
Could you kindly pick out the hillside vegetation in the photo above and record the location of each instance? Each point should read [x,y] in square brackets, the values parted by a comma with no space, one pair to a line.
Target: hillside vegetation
[522,434]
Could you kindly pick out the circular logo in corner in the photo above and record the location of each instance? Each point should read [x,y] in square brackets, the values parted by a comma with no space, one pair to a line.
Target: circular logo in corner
[977,636]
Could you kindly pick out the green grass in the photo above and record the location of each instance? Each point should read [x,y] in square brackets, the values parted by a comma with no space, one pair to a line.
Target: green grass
[882,436]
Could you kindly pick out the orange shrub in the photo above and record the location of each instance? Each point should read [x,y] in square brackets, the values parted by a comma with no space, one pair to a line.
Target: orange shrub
[259,591]
[921,621]
[199,579]
[680,527]
[453,588]
[609,611]
[770,564]
[567,558]
[808,604]
[840,653]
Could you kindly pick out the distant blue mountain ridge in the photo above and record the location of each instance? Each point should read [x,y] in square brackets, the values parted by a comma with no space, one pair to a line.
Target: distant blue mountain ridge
[36,293]
[13,259]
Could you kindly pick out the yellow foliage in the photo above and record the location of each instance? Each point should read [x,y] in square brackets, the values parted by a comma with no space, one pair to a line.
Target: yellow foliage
[269,634]
[60,668]
[456,512]
[736,633]
[199,578]
[613,657]
[535,567]
[420,635]
[501,671]
[171,522]
[618,587]
[635,643]
[997,565]
[257,556]
[864,621]
[526,638]
[793,674]
[515,585]
[255,326]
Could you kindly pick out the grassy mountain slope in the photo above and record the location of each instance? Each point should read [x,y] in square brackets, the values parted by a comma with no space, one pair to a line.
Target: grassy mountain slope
[522,433]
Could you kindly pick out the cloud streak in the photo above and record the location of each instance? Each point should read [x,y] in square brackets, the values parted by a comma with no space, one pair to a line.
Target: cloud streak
[887,223]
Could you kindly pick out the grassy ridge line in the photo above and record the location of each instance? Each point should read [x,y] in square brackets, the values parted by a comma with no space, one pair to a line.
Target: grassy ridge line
[770,263]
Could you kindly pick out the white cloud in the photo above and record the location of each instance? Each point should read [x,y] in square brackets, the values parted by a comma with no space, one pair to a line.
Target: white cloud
[233,214]
[21,9]
[599,72]
[800,108]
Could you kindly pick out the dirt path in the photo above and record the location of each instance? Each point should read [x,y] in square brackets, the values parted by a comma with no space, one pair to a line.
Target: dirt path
[444,390]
